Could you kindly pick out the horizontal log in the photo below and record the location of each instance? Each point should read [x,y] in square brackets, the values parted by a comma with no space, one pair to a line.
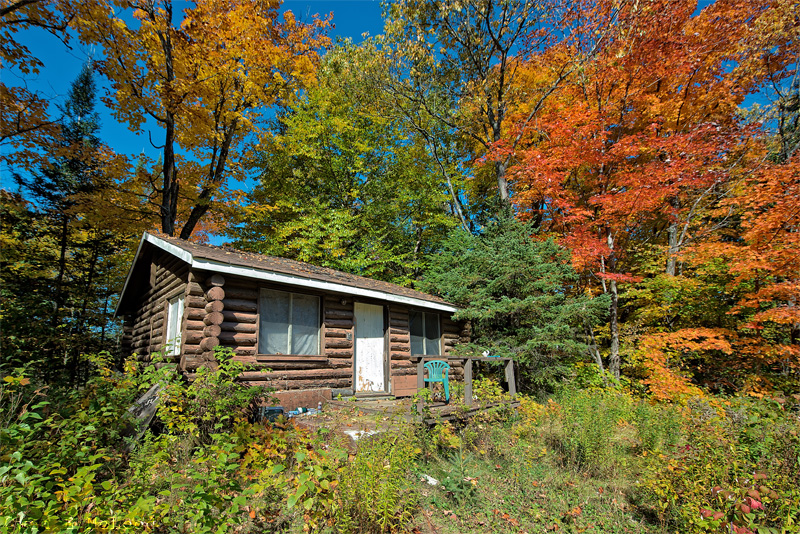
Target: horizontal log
[140,343]
[450,336]
[209,343]
[397,338]
[142,331]
[194,289]
[196,314]
[298,384]
[238,292]
[247,359]
[399,347]
[216,280]
[215,293]
[193,337]
[398,331]
[254,365]
[278,379]
[213,318]
[307,373]
[398,316]
[337,332]
[150,317]
[400,355]
[338,343]
[339,323]
[212,330]
[333,301]
[395,323]
[215,306]
[337,306]
[194,325]
[241,305]
[189,349]
[244,351]
[291,358]
[238,339]
[245,328]
[338,353]
[338,314]
[195,302]
[239,317]
[169,281]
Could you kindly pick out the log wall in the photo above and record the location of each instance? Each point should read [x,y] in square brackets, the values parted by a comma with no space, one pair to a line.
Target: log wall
[223,311]
[144,330]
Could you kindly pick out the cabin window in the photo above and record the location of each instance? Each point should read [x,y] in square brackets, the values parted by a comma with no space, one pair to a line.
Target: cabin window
[425,333]
[173,331]
[289,323]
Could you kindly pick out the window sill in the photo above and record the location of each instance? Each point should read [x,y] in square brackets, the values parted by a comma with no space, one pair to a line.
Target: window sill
[290,358]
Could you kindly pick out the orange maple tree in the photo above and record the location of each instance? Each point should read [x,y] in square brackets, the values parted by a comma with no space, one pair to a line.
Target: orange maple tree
[640,149]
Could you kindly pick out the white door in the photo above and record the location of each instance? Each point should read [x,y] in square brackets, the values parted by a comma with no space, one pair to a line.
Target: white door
[370,370]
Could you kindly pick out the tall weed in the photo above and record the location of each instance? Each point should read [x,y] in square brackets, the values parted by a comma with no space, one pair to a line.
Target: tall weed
[375,489]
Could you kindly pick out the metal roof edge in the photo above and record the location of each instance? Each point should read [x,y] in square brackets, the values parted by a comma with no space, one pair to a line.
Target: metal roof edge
[147,237]
[301,281]
[272,276]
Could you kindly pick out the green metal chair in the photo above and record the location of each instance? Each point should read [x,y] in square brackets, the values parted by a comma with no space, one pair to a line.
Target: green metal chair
[438,372]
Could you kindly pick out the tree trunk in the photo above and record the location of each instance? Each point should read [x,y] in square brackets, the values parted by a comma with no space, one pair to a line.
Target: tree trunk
[502,183]
[58,298]
[595,352]
[672,252]
[613,359]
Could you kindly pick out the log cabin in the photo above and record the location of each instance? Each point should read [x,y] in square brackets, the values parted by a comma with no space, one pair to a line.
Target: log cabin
[295,326]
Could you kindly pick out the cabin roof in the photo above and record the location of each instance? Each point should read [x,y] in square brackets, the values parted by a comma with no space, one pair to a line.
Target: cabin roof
[225,260]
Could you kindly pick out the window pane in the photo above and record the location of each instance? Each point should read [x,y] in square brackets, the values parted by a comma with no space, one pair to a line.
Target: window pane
[172,342]
[273,335]
[432,334]
[417,328]
[305,324]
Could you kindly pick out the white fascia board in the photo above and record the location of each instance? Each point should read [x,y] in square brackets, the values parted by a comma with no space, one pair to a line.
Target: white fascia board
[160,243]
[299,281]
[178,252]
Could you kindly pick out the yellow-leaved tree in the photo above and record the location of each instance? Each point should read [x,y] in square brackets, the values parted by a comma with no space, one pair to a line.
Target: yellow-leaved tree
[207,76]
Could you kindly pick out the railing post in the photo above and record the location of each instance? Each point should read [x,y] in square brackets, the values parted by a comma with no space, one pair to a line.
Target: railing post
[420,383]
[468,382]
[510,378]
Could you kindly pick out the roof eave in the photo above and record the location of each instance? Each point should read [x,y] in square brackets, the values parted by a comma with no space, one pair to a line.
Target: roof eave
[299,281]
[272,276]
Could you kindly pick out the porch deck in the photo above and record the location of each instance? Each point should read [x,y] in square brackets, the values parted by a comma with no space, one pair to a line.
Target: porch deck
[468,362]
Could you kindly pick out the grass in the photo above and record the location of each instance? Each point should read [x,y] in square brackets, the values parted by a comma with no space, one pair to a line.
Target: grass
[501,482]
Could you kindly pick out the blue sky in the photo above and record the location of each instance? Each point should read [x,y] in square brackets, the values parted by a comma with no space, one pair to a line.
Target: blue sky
[351,18]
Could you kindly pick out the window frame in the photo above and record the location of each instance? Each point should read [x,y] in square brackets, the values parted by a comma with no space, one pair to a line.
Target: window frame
[424,315]
[176,303]
[260,334]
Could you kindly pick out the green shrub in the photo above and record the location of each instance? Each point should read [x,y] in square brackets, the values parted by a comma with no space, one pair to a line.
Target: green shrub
[60,450]
[737,470]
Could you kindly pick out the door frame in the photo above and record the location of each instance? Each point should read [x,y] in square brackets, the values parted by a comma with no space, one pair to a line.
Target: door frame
[385,360]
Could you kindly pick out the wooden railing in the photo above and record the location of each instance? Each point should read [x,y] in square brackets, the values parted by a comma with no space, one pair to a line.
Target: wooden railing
[467,361]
